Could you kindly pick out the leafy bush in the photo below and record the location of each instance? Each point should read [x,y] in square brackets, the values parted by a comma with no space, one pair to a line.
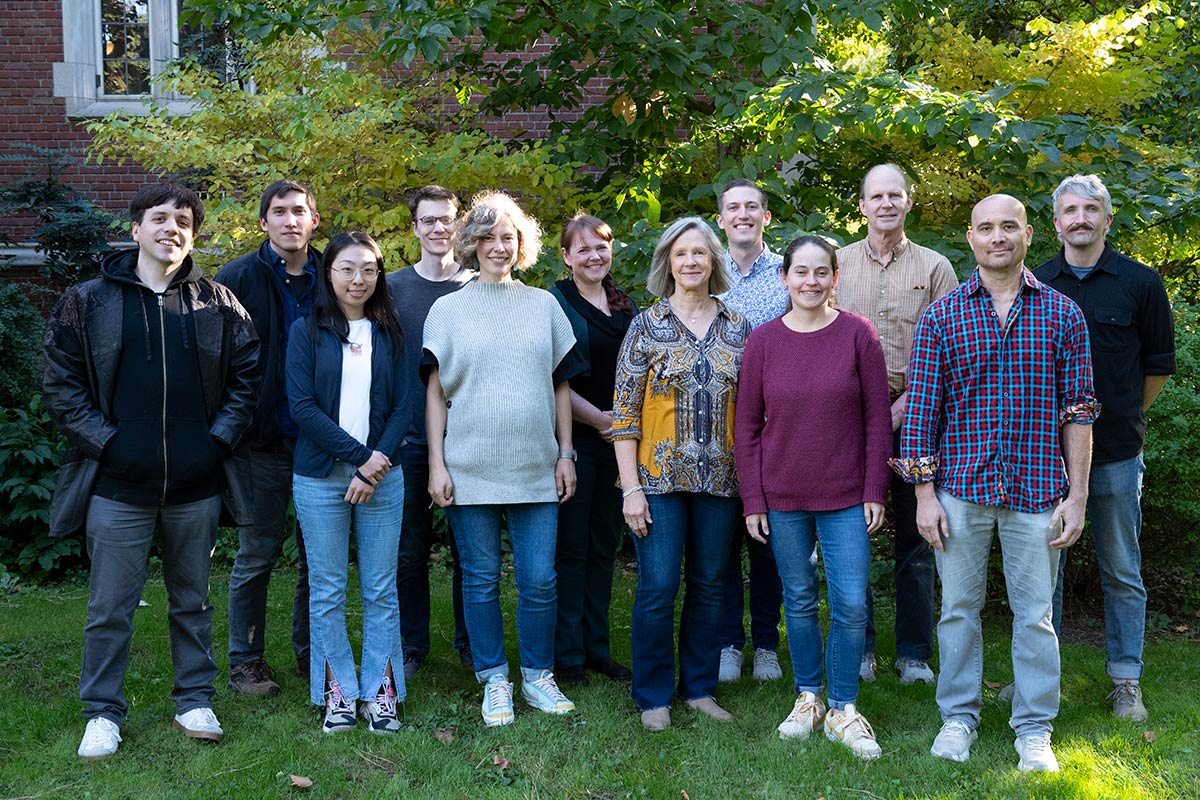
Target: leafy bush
[30,451]
[21,342]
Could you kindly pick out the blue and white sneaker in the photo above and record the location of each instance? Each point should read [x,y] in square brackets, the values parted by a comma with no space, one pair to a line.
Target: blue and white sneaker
[543,693]
[381,713]
[497,705]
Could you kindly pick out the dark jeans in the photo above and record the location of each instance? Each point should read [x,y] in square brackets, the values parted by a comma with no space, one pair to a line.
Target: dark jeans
[915,571]
[766,595]
[258,550]
[590,527]
[119,536]
[700,526]
[412,565]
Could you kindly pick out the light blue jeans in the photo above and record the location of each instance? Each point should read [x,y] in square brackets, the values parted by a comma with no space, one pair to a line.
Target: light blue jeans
[533,532]
[325,517]
[846,551]
[1030,571]
[1114,514]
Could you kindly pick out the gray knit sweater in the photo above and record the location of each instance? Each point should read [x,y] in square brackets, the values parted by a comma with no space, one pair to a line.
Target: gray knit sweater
[497,345]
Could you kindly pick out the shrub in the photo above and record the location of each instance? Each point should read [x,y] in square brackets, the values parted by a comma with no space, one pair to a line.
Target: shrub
[21,342]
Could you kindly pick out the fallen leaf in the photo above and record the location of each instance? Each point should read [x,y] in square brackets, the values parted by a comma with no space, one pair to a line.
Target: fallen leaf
[499,761]
[1149,736]
[301,782]
[1181,628]
[444,735]
[992,684]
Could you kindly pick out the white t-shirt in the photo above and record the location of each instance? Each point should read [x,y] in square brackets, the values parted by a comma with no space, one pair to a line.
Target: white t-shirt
[354,409]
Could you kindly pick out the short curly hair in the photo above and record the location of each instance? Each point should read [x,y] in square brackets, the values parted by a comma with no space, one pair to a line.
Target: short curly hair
[485,213]
[661,283]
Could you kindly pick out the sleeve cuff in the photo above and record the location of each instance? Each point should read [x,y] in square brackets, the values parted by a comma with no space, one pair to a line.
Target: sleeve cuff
[626,433]
[1084,413]
[915,470]
[754,505]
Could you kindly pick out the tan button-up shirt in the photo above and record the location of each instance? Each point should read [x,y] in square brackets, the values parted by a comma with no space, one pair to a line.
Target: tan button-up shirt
[893,296]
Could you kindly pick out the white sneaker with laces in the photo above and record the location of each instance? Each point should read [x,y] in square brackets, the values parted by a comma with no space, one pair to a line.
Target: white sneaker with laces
[866,668]
[497,705]
[953,741]
[542,692]
[807,715]
[1035,752]
[381,713]
[731,665]
[100,738]
[199,723]
[913,670]
[766,665]
[851,728]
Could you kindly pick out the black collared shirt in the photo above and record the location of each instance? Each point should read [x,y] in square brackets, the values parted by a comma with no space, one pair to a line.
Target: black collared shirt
[1133,335]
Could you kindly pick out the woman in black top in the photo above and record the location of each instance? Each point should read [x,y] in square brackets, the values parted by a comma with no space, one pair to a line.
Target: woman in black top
[590,523]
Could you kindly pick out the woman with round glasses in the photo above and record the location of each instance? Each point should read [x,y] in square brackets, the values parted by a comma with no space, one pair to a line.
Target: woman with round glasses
[346,385]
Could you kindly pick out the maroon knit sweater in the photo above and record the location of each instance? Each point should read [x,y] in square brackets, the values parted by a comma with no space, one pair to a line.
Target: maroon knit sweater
[814,428]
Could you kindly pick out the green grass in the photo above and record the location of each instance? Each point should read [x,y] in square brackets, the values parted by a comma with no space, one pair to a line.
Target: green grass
[598,753]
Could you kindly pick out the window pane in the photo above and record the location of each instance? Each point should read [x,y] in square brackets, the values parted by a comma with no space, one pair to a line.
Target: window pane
[125,44]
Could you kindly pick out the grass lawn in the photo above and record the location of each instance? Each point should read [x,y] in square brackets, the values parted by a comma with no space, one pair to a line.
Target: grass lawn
[598,753]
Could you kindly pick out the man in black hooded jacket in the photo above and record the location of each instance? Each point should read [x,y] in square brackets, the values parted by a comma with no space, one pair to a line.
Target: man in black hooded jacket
[151,373]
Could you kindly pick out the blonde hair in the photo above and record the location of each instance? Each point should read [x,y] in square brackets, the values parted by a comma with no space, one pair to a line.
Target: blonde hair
[661,283]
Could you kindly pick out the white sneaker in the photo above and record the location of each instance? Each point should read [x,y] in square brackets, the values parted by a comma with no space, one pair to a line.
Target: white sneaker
[851,728]
[100,738]
[766,665]
[543,693]
[953,741]
[497,707]
[807,715]
[1035,752]
[199,723]
[866,668]
[913,670]
[731,665]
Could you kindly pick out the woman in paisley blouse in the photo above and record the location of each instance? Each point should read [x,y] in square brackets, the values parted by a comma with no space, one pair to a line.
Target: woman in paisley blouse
[673,413]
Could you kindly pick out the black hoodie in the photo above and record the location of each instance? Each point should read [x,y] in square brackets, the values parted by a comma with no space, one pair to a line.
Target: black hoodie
[162,452]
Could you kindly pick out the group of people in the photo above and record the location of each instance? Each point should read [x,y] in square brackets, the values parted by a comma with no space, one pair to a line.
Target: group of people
[772,400]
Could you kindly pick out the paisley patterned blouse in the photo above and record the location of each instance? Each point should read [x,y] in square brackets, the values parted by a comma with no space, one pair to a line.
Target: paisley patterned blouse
[676,394]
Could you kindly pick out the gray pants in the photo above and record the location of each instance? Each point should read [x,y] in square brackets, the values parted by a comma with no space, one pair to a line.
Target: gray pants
[119,536]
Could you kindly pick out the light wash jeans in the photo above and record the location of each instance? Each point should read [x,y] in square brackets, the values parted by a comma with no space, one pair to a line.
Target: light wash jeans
[846,551]
[1030,571]
[1114,514]
[533,531]
[325,517]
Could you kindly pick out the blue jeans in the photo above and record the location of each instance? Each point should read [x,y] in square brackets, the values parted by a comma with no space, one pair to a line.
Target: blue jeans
[412,566]
[700,525]
[119,536]
[1114,514]
[766,595]
[1030,569]
[532,530]
[846,552]
[326,518]
[914,573]
[258,550]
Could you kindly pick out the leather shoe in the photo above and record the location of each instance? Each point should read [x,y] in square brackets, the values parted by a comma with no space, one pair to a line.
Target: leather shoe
[572,676]
[609,668]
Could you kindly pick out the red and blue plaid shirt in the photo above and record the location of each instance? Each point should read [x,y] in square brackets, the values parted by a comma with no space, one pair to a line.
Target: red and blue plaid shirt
[986,403]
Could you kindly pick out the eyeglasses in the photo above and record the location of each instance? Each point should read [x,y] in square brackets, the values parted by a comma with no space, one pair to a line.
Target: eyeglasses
[429,222]
[368,273]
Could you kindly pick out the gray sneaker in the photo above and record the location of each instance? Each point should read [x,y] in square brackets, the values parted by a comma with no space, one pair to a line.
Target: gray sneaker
[1127,703]
[914,670]
[953,741]
[731,665]
[766,665]
[866,668]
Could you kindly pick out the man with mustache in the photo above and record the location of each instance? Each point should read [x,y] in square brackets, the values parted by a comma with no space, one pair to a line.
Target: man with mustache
[998,427]
[1133,351]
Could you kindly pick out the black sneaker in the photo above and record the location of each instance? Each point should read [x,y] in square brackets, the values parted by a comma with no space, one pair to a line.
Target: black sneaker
[254,679]
[412,664]
[572,676]
[466,658]
[339,712]
[609,668]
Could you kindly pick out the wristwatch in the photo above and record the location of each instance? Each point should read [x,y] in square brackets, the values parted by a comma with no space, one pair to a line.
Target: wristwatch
[571,454]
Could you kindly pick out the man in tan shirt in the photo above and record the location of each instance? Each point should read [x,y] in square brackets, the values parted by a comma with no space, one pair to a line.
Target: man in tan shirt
[891,281]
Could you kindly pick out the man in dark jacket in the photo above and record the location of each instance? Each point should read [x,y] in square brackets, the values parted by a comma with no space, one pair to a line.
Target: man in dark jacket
[151,374]
[276,284]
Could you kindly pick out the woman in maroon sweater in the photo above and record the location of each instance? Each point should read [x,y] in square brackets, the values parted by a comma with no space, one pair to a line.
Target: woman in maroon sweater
[812,438]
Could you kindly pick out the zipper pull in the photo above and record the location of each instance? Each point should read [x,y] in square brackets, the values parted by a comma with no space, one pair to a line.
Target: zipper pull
[160,300]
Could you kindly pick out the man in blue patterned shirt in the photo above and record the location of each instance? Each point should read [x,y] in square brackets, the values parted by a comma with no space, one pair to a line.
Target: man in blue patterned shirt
[758,294]
[1000,394]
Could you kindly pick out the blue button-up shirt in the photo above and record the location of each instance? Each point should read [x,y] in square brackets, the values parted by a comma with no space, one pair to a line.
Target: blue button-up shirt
[759,296]
[986,401]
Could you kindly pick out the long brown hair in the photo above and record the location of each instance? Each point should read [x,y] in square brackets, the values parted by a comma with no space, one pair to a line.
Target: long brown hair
[580,223]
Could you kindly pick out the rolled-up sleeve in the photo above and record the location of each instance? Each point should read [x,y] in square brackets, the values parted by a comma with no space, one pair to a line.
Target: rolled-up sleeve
[918,462]
[1077,402]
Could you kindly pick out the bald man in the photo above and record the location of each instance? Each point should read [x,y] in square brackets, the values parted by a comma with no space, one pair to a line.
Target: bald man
[997,429]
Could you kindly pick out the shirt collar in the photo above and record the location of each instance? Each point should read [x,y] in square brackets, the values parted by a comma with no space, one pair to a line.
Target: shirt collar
[975,286]
[764,258]
[897,251]
[1108,261]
